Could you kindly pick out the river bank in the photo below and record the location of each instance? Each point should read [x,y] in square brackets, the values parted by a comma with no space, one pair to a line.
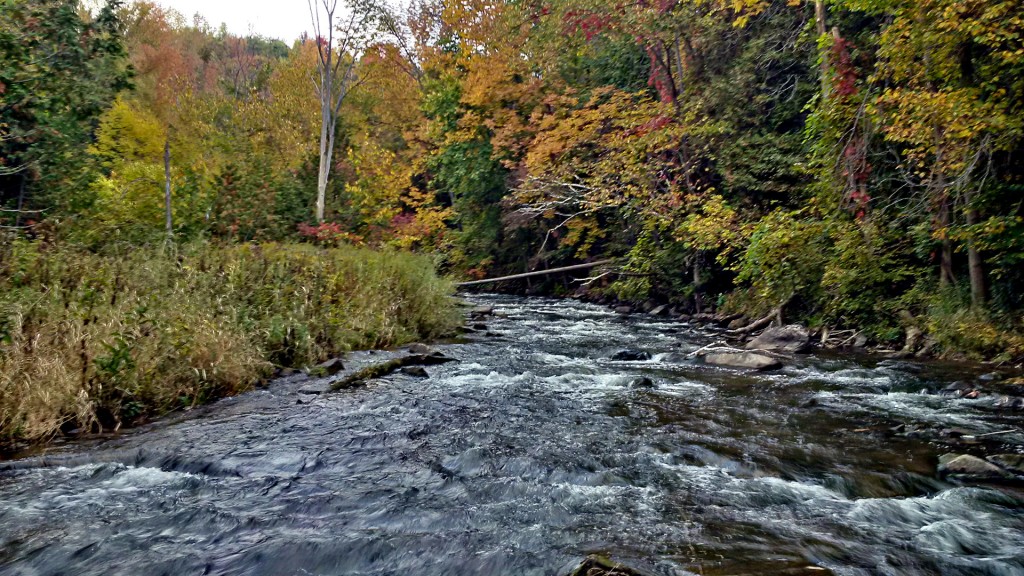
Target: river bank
[92,342]
[530,452]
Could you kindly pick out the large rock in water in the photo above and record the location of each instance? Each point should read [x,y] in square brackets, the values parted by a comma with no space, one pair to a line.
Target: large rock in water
[1012,462]
[969,467]
[793,338]
[750,360]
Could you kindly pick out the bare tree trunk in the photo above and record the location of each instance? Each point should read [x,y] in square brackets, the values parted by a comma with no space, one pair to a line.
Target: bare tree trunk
[946,277]
[168,217]
[975,265]
[326,151]
[821,27]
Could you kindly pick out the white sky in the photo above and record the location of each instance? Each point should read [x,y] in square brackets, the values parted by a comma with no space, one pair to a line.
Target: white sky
[282,19]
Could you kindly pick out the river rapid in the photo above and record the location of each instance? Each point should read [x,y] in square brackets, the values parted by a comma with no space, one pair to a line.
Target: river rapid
[532,451]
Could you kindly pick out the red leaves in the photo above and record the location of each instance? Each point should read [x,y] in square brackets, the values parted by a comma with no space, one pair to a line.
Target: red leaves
[328,234]
[845,73]
[589,23]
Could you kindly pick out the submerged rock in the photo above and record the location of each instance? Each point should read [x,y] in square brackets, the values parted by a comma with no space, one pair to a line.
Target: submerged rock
[642,382]
[749,360]
[418,348]
[328,368]
[417,371]
[793,338]
[600,566]
[969,467]
[1011,462]
[631,355]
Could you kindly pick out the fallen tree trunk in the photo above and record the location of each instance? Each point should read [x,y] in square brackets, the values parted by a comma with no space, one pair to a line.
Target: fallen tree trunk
[536,273]
[757,325]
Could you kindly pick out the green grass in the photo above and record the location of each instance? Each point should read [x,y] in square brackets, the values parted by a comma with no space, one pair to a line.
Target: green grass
[98,341]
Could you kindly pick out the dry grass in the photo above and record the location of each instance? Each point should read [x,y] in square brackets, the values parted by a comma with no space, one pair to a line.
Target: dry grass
[97,341]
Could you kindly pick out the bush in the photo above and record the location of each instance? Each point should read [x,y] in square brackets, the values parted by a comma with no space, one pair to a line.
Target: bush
[95,341]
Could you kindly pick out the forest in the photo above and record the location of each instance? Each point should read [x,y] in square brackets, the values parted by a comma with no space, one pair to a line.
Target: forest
[850,164]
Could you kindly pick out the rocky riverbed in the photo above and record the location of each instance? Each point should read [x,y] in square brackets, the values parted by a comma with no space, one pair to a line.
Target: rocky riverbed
[558,431]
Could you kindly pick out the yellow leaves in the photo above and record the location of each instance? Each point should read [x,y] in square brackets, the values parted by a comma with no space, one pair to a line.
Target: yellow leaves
[942,128]
[128,132]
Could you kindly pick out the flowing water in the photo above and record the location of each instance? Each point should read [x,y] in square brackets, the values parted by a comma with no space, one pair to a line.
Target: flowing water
[529,453]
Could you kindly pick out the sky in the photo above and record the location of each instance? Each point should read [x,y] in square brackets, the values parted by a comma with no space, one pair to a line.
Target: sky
[282,19]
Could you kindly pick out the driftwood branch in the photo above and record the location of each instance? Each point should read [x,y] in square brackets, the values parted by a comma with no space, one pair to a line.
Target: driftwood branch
[536,273]
[758,324]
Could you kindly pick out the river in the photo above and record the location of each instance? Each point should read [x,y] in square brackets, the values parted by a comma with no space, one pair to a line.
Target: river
[531,452]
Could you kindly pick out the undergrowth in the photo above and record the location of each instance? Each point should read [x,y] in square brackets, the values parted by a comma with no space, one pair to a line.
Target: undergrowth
[97,341]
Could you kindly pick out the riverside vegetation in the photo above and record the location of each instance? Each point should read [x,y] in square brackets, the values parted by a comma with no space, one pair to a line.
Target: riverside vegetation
[852,165]
[93,340]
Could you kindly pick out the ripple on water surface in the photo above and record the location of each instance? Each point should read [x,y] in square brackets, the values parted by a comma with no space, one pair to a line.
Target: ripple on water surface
[531,452]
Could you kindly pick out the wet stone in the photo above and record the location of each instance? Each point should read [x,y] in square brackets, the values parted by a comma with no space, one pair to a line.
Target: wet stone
[642,382]
[631,355]
[417,371]
[969,467]
[1011,462]
[749,360]
[792,338]
[419,348]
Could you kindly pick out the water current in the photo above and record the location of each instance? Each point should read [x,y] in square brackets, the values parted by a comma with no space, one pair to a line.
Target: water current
[532,451]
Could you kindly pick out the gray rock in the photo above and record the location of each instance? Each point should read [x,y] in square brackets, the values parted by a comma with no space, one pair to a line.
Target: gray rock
[329,368]
[418,348]
[623,309]
[285,372]
[417,371]
[737,324]
[1010,403]
[969,467]
[659,310]
[990,377]
[749,360]
[860,341]
[481,311]
[1012,462]
[792,338]
[642,382]
[631,355]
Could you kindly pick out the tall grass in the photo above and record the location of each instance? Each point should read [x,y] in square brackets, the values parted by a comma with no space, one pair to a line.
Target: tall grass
[96,341]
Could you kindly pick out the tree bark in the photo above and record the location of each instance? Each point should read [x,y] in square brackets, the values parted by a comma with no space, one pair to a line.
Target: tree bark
[975,265]
[168,215]
[946,277]
[821,26]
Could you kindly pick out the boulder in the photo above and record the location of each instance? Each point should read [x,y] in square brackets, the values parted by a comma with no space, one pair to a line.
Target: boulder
[481,311]
[417,371]
[1011,462]
[990,377]
[328,368]
[737,324]
[595,565]
[860,341]
[1010,403]
[659,310]
[793,338]
[418,348]
[631,355]
[623,309]
[749,360]
[969,467]
[642,382]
